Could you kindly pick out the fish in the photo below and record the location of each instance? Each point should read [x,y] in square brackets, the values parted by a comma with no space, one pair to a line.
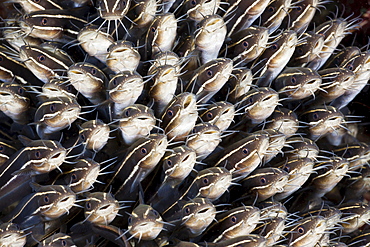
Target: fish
[307,231]
[197,215]
[275,13]
[209,36]
[82,176]
[208,79]
[54,115]
[204,139]
[101,208]
[11,234]
[135,122]
[123,90]
[15,103]
[220,114]
[145,223]
[140,159]
[89,80]
[241,14]
[180,116]
[44,64]
[122,56]
[236,222]
[264,183]
[95,42]
[58,239]
[246,45]
[243,157]
[53,24]
[297,83]
[273,60]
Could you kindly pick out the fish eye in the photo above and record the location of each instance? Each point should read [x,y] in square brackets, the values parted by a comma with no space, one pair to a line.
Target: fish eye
[205,180]
[46,199]
[38,154]
[88,205]
[44,21]
[1,147]
[293,80]
[41,58]
[210,115]
[209,73]
[263,180]
[170,113]
[299,8]
[233,219]
[127,113]
[74,176]
[271,9]
[193,2]
[52,107]
[300,230]
[275,46]
[245,151]
[155,213]
[93,71]
[1,58]
[114,81]
[245,44]
[315,116]
[20,90]
[69,88]
[300,51]
[287,168]
[82,136]
[64,243]
[143,150]
[350,66]
[36,1]
[129,220]
[187,210]
[152,29]
[169,162]
[250,100]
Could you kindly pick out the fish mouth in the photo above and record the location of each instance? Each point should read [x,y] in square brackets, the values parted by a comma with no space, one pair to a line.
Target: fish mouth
[214,25]
[66,203]
[76,72]
[57,158]
[334,121]
[121,50]
[312,85]
[144,226]
[6,97]
[188,157]
[70,113]
[107,209]
[269,101]
[211,132]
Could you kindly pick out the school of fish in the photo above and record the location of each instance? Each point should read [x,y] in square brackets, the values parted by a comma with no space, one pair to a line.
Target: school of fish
[187,123]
